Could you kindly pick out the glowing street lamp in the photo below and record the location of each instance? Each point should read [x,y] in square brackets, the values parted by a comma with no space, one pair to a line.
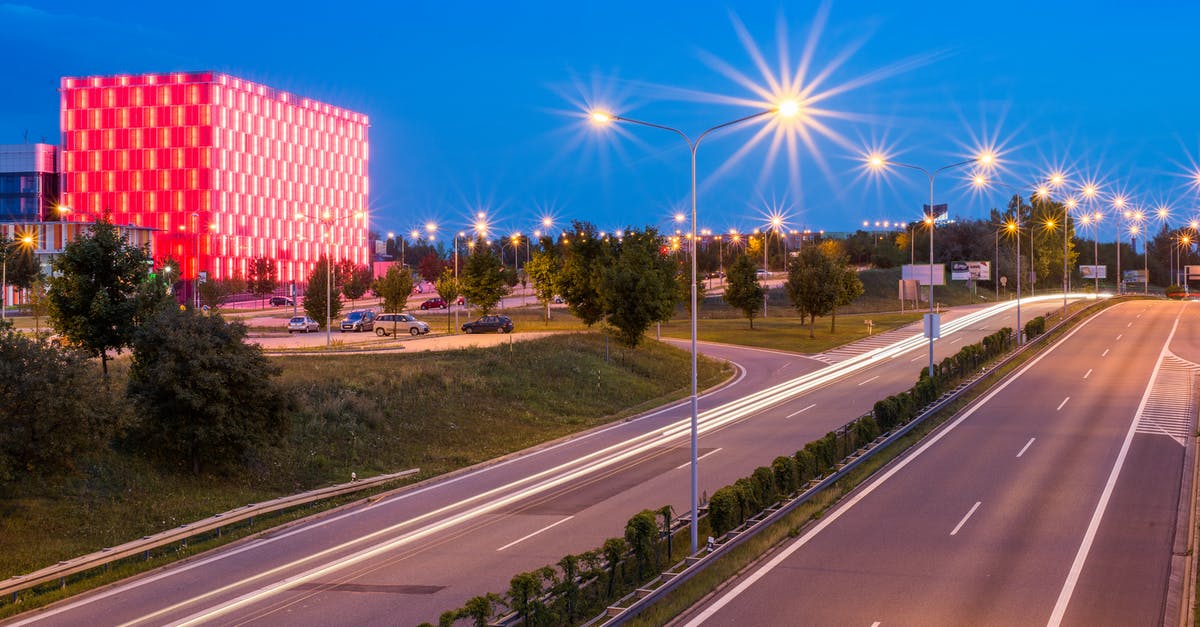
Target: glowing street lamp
[24,241]
[328,220]
[878,162]
[786,109]
[1013,227]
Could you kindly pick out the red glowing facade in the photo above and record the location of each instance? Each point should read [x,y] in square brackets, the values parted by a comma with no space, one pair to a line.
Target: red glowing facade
[227,170]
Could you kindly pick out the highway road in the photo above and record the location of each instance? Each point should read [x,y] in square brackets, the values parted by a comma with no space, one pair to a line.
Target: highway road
[407,558]
[1052,501]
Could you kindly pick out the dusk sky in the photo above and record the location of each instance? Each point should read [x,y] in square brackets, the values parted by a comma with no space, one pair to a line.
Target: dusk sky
[480,105]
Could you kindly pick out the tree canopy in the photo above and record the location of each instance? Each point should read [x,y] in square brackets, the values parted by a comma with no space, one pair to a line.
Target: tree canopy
[482,281]
[315,294]
[94,291]
[742,289]
[638,285]
[205,396]
[394,288]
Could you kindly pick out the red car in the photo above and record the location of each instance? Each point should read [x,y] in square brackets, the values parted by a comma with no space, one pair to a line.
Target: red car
[433,303]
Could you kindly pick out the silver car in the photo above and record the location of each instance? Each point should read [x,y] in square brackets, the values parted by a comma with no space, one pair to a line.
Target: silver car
[303,324]
[403,323]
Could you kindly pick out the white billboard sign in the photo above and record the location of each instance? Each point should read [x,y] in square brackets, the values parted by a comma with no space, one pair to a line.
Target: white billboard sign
[970,271]
[1191,272]
[1093,272]
[921,273]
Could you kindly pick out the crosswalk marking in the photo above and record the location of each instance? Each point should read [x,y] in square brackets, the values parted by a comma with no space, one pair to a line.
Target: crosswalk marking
[869,343]
[1172,402]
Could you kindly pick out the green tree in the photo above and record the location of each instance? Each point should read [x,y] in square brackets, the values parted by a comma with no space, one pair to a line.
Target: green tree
[315,293]
[93,293]
[544,268]
[482,280]
[431,266]
[849,286]
[213,292]
[357,283]
[742,289]
[449,288]
[39,302]
[394,288]
[584,255]
[21,267]
[205,397]
[52,411]
[641,532]
[813,285]
[262,277]
[637,286]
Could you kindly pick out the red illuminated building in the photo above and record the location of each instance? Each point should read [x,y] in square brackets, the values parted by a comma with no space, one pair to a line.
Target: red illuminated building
[227,170]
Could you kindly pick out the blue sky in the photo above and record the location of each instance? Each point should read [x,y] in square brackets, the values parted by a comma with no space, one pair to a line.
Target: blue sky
[477,105]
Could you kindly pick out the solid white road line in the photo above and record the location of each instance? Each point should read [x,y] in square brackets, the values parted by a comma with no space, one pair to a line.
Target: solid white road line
[1105,353]
[546,528]
[829,519]
[1026,447]
[868,380]
[918,357]
[800,411]
[689,463]
[1087,374]
[1060,405]
[966,518]
[1064,597]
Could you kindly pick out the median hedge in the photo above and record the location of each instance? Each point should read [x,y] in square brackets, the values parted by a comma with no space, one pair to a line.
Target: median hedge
[583,585]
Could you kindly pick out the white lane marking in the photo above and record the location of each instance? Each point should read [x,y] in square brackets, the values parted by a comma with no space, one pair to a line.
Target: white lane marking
[918,357]
[876,624]
[966,518]
[546,528]
[957,339]
[689,463]
[1064,597]
[1060,405]
[1026,447]
[1105,353]
[1119,336]
[1128,325]
[829,519]
[1088,373]
[800,411]
[868,380]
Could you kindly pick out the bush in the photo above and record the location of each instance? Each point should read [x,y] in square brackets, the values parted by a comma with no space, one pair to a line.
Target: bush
[724,511]
[787,476]
[1035,327]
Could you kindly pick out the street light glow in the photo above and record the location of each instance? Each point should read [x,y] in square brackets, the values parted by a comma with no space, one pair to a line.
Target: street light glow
[601,117]
[789,108]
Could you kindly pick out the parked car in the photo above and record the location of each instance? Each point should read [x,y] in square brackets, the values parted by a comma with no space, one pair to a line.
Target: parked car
[762,274]
[280,301]
[303,324]
[433,303]
[359,320]
[402,323]
[499,324]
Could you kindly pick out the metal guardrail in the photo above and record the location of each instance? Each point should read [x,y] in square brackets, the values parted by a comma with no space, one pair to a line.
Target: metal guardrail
[65,568]
[654,591]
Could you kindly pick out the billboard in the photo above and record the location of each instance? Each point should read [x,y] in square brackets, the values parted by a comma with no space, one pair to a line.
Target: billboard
[1093,272]
[1191,273]
[970,270]
[1134,276]
[920,272]
[909,290]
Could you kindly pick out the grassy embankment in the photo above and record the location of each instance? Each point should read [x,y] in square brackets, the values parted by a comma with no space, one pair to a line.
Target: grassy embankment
[367,413]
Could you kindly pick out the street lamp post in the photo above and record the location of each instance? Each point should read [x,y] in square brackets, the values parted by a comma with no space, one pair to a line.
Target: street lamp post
[1014,228]
[786,109]
[24,241]
[878,162]
[328,220]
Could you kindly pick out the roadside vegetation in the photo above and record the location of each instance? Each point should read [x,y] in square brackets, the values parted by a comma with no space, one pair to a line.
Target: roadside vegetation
[361,413]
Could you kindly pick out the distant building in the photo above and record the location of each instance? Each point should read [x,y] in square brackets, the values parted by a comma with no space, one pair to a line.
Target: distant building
[28,182]
[225,170]
[51,237]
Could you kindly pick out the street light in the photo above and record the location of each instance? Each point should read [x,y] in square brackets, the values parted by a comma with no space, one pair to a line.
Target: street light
[787,109]
[24,241]
[1119,203]
[1089,191]
[878,162]
[1013,227]
[328,220]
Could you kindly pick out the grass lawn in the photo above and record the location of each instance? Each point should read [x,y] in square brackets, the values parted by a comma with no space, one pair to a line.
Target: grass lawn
[366,413]
[786,333]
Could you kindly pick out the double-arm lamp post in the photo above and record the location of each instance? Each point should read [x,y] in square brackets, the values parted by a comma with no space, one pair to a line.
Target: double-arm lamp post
[787,108]
[1013,227]
[879,162]
[328,220]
